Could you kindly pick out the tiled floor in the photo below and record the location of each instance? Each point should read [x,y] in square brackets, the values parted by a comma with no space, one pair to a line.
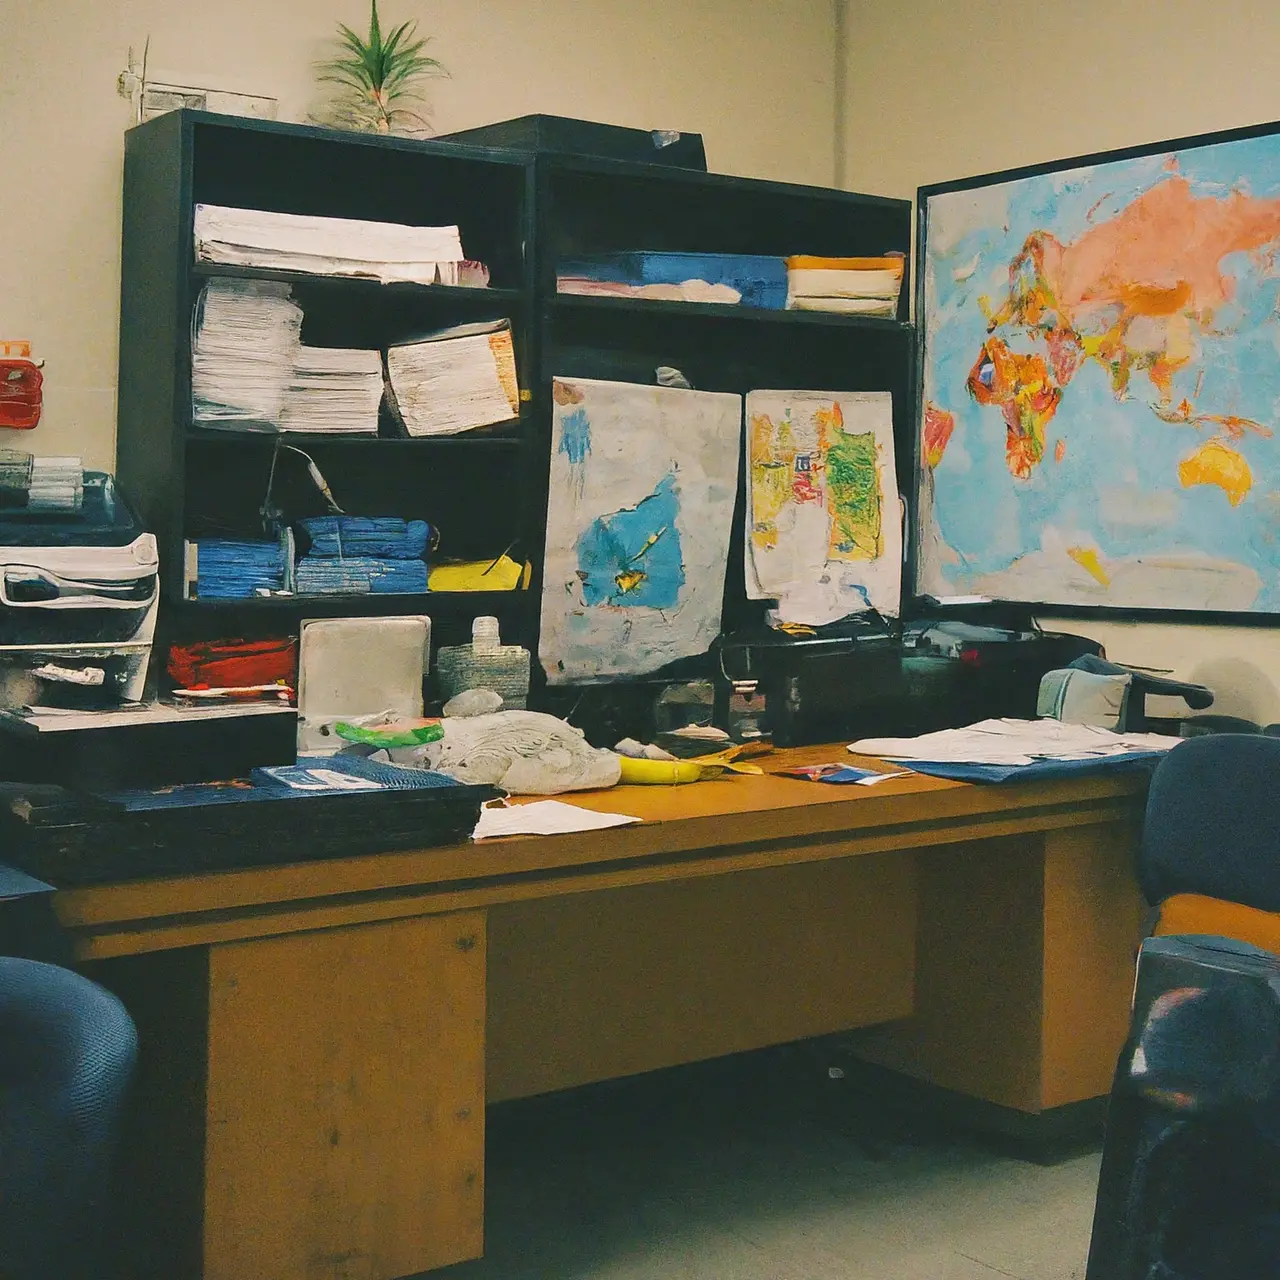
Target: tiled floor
[726,1173]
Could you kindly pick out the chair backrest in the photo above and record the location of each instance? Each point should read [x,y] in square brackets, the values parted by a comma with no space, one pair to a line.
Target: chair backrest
[1213,821]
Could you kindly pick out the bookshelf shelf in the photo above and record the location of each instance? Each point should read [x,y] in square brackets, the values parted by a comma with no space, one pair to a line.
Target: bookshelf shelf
[603,305]
[497,438]
[371,290]
[453,602]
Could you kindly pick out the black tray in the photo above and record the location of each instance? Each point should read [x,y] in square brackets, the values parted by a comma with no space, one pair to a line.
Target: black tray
[71,838]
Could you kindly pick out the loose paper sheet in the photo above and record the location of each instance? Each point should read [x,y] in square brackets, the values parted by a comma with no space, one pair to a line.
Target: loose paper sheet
[543,818]
[824,525]
[643,481]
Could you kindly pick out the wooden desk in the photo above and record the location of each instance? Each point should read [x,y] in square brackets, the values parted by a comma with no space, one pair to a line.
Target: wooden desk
[319,1040]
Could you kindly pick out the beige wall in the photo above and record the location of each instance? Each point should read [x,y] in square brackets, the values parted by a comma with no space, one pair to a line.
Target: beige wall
[697,66]
[939,89]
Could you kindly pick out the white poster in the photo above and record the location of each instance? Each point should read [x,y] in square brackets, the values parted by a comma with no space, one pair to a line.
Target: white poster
[824,522]
[643,481]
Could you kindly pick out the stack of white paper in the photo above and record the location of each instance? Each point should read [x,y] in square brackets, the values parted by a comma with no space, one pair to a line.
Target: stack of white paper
[245,344]
[57,484]
[851,286]
[334,389]
[385,251]
[1013,742]
[455,380]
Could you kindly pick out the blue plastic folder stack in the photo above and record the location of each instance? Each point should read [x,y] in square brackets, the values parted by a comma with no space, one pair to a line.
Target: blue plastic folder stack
[363,555]
[229,569]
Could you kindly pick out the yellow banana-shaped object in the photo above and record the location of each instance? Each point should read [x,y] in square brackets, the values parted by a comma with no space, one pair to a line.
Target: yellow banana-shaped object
[674,772]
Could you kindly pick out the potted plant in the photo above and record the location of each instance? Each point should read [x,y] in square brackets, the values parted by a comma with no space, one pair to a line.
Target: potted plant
[380,78]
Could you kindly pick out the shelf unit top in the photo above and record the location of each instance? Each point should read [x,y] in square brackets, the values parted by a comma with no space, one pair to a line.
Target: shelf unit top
[672,175]
[187,118]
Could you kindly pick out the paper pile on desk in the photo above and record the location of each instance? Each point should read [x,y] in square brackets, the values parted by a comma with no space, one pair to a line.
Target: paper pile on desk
[1013,742]
[544,818]
[385,251]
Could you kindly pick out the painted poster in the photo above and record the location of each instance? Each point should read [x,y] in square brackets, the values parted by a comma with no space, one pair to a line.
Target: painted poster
[643,482]
[1102,383]
[824,523]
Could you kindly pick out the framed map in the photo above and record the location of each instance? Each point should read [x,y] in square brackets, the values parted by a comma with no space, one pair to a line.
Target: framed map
[1100,358]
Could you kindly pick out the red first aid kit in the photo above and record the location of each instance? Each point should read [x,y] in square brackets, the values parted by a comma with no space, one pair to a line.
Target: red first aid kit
[20,386]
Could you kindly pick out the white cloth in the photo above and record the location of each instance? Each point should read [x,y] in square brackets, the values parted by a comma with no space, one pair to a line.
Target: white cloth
[524,752]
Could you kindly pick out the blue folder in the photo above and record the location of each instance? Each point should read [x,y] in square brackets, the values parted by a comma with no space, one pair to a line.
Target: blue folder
[1040,770]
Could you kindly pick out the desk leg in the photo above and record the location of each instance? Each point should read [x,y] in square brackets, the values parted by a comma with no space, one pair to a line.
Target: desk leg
[1025,952]
[345,1107]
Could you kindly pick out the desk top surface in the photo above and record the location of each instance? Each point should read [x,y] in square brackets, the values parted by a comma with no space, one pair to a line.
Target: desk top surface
[720,817]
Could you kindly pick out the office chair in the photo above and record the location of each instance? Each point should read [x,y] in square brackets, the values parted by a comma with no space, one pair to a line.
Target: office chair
[1190,1181]
[1209,861]
[67,1050]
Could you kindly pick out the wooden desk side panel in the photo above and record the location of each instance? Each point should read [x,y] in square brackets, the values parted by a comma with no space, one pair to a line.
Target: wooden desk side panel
[345,1127]
[594,986]
[1093,917]
[977,1027]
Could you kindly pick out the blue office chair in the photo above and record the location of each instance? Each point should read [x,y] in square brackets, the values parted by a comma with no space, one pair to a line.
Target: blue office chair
[67,1050]
[1210,855]
[1190,1180]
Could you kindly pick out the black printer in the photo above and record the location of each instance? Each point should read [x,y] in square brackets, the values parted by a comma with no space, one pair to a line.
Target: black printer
[867,677]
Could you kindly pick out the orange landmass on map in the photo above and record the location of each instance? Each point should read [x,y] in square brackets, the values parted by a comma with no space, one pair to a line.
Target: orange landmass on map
[1131,293]
[938,426]
[1026,394]
[1215,462]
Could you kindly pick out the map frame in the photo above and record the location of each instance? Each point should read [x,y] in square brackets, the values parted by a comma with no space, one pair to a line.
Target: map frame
[925,433]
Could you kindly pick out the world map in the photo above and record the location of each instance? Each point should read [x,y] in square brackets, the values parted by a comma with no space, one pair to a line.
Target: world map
[1102,384]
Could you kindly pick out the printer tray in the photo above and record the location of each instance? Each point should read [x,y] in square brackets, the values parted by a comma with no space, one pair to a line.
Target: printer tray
[72,838]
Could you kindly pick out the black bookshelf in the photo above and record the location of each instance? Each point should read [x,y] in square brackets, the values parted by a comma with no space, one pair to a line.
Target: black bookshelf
[585,205]
[521,214]
[189,481]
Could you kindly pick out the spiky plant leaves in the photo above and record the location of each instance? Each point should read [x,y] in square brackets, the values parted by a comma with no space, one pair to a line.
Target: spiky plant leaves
[380,76]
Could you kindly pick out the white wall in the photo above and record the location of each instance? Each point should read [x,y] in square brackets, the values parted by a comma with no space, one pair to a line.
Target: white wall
[753,76]
[940,89]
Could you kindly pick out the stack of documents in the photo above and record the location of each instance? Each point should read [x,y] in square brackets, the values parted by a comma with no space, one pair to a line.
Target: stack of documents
[1014,742]
[455,380]
[753,280]
[852,286]
[363,555]
[359,576]
[385,251]
[333,389]
[245,345]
